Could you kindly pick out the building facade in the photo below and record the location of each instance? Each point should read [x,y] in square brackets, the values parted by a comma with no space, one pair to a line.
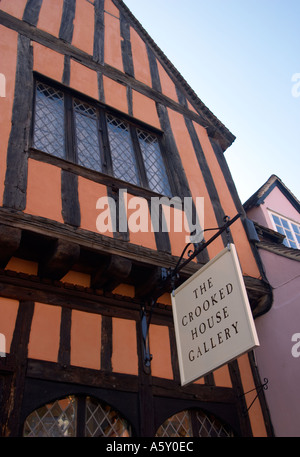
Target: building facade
[276,214]
[96,123]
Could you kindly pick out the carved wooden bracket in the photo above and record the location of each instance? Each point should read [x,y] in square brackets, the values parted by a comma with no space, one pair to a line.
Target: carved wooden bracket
[59,260]
[10,238]
[112,273]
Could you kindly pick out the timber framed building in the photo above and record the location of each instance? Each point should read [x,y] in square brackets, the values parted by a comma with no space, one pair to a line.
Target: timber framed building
[92,106]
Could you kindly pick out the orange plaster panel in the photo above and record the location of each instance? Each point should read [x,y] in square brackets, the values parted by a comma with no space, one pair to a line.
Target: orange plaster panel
[8,315]
[48,62]
[140,58]
[8,53]
[167,85]
[145,109]
[84,24]
[44,190]
[50,16]
[190,107]
[222,377]
[86,340]
[112,42]
[45,332]
[75,277]
[89,192]
[22,266]
[194,175]
[115,94]
[200,381]
[255,412]
[111,8]
[165,299]
[15,8]
[124,344]
[125,290]
[84,79]
[139,222]
[159,339]
[246,257]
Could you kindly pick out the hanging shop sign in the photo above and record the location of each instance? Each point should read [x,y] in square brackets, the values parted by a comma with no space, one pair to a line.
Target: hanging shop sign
[212,317]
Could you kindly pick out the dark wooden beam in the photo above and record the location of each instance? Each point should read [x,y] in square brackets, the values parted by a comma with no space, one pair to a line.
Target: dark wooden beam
[17,151]
[59,260]
[13,394]
[111,273]
[10,238]
[67,21]
[148,286]
[84,376]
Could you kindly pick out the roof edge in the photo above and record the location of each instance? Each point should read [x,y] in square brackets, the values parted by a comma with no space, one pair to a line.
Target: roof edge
[260,195]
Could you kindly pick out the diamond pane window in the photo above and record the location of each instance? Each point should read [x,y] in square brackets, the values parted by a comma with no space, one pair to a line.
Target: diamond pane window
[191,423]
[81,131]
[177,426]
[87,140]
[122,152]
[60,419]
[49,121]
[154,165]
[103,421]
[288,228]
[57,419]
[210,426]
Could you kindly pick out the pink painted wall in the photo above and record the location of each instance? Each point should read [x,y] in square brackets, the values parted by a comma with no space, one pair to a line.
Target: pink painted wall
[277,202]
[274,356]
[276,328]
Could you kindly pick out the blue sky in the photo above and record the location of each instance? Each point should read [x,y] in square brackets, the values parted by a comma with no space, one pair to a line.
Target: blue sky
[239,56]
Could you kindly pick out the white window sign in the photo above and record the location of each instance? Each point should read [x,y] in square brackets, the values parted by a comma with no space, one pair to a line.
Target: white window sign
[212,317]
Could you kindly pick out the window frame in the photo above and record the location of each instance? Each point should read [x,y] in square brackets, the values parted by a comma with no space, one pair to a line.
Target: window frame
[102,110]
[286,240]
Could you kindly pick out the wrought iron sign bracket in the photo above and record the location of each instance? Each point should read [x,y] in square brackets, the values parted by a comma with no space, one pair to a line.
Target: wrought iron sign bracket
[259,389]
[169,282]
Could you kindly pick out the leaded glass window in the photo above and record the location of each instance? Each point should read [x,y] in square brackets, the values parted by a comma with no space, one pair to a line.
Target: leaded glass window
[57,419]
[178,425]
[154,166]
[103,421]
[210,426]
[122,152]
[49,121]
[191,423]
[88,148]
[81,131]
[60,419]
